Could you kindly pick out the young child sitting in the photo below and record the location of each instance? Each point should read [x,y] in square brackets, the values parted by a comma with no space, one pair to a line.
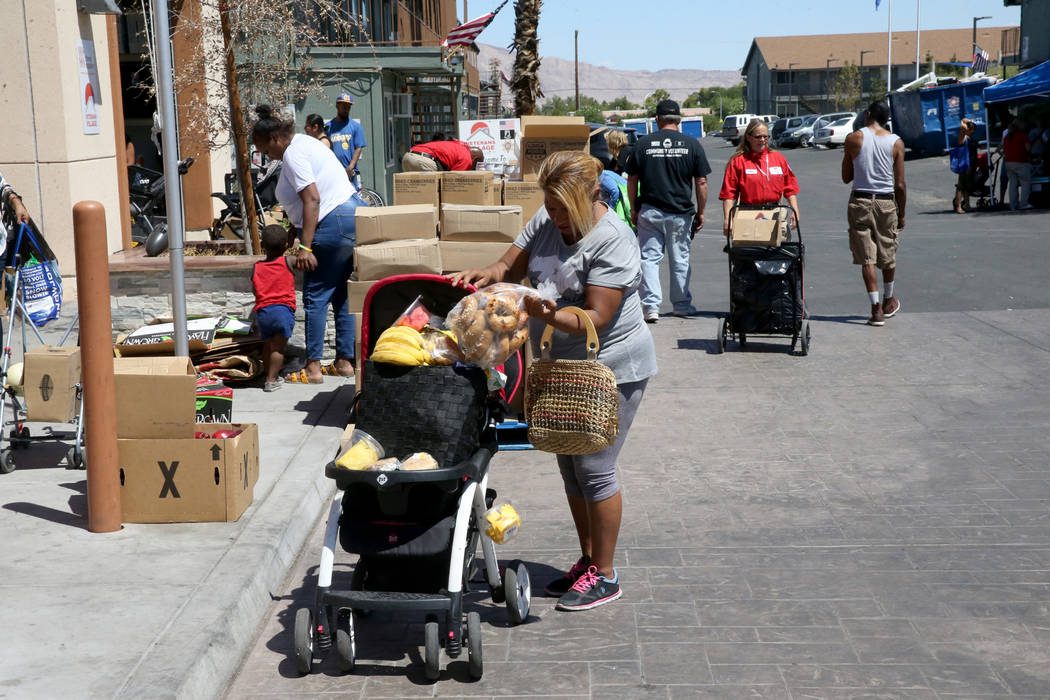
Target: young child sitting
[274,286]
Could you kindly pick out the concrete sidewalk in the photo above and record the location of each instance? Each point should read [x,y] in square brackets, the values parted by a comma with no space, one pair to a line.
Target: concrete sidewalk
[155,610]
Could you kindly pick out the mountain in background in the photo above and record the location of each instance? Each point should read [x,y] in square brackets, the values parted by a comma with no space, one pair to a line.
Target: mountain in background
[606,84]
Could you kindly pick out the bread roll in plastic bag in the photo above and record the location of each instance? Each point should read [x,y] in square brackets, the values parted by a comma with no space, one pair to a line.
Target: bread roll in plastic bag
[491,324]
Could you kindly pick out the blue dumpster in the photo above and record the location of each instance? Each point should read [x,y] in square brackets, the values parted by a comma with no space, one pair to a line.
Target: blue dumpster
[928,119]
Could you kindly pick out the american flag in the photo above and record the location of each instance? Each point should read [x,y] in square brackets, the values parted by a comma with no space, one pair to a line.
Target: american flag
[466,33]
[980,60]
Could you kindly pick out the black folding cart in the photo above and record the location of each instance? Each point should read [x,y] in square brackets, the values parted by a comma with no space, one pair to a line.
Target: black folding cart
[766,291]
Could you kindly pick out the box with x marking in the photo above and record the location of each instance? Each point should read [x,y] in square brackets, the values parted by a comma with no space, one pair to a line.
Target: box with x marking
[184,480]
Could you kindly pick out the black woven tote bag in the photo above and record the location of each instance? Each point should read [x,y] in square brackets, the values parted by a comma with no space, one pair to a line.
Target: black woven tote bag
[440,410]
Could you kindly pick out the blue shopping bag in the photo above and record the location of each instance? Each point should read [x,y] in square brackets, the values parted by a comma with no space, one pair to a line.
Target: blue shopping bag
[959,159]
[40,279]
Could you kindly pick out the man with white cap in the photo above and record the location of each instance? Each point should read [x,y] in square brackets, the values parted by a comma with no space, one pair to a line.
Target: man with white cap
[346,135]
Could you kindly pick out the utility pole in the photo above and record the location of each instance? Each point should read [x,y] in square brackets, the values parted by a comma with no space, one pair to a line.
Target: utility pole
[918,7]
[577,70]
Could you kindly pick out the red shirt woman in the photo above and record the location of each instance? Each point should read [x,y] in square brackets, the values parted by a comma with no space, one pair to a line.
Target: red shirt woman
[756,175]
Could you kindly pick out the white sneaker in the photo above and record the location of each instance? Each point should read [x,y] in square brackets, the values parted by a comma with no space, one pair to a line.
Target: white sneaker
[652,316]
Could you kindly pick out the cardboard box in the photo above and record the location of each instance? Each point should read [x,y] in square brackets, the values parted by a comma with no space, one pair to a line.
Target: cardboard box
[469,187]
[185,480]
[49,378]
[156,397]
[457,256]
[417,188]
[497,192]
[526,195]
[381,224]
[462,222]
[214,402]
[756,227]
[541,136]
[379,260]
[356,292]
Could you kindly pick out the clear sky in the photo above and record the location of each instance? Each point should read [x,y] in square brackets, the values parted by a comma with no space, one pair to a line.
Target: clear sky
[716,34]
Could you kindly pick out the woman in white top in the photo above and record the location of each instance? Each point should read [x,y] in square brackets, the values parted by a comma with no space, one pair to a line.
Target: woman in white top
[320,202]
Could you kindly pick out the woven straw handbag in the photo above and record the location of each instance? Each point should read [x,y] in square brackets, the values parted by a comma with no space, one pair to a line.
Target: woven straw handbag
[571,405]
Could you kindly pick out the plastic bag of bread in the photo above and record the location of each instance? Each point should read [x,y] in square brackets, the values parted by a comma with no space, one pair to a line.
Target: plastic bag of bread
[419,461]
[491,324]
[441,346]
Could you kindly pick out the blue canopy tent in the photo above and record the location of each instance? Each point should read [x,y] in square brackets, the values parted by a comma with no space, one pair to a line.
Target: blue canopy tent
[1034,82]
[1031,86]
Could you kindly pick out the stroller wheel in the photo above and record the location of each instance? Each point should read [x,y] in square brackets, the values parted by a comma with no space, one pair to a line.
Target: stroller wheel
[518,590]
[74,458]
[304,640]
[474,662]
[805,340]
[345,642]
[7,462]
[722,335]
[432,650]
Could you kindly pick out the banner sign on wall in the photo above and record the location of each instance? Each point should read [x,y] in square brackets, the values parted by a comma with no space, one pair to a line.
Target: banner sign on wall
[89,88]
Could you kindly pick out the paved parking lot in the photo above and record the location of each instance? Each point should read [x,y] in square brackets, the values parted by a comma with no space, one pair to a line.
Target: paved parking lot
[869,521]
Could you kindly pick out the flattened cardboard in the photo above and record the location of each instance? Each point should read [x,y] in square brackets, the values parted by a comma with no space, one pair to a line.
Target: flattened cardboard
[49,379]
[457,256]
[417,188]
[379,260]
[156,397]
[381,224]
[467,187]
[542,136]
[461,222]
[185,480]
[526,195]
[756,227]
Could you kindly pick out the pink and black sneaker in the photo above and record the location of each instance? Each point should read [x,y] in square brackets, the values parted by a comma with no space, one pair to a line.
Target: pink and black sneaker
[560,586]
[590,591]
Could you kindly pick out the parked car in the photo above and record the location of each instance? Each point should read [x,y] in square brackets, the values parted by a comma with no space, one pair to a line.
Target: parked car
[777,129]
[768,118]
[825,119]
[834,134]
[798,134]
[733,127]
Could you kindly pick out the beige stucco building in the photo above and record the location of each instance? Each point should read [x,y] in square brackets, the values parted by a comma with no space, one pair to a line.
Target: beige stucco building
[44,151]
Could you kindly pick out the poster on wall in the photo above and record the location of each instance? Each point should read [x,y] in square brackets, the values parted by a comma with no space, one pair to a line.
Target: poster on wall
[498,139]
[89,88]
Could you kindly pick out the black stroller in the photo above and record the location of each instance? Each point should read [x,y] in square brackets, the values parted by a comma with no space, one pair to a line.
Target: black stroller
[766,290]
[416,532]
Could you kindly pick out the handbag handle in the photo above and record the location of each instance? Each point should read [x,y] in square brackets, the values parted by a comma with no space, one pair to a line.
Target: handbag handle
[592,335]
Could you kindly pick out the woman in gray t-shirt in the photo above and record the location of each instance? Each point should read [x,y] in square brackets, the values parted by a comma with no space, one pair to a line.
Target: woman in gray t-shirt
[592,258]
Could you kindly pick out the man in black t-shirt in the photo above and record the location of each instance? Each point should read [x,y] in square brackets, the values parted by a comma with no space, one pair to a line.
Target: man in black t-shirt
[671,168]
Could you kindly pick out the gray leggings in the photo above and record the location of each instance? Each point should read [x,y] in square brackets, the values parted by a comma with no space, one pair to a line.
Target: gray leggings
[593,477]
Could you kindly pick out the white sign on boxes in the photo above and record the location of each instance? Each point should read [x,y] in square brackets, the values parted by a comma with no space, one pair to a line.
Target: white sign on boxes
[499,140]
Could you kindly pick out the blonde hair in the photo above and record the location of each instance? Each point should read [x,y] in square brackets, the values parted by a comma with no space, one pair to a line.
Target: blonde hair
[745,145]
[615,140]
[571,177]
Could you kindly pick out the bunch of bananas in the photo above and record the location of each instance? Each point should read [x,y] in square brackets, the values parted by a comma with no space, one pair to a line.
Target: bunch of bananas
[401,345]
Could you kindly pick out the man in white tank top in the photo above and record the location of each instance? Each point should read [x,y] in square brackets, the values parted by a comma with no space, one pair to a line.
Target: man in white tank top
[874,162]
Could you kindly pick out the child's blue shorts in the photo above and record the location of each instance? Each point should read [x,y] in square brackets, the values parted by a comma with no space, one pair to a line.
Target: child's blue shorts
[275,320]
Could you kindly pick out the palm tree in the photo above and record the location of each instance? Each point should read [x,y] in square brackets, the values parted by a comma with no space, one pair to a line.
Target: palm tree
[526,80]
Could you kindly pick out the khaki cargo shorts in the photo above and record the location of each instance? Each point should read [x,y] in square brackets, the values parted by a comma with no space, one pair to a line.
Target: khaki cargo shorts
[873,231]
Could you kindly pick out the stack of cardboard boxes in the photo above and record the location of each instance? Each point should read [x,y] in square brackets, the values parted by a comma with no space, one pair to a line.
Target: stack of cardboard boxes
[166,473]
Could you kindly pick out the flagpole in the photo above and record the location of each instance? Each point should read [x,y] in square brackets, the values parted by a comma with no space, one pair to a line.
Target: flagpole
[889,46]
[918,4]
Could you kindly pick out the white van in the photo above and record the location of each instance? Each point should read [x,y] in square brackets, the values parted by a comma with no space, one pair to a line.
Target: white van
[733,127]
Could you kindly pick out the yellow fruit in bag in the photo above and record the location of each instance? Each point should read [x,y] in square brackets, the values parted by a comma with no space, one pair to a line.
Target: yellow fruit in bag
[400,345]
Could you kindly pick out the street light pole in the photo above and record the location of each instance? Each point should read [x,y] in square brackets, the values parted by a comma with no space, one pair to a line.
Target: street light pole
[791,85]
[827,74]
[973,48]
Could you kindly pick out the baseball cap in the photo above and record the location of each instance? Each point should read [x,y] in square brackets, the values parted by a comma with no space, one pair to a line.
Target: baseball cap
[668,108]
[345,97]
